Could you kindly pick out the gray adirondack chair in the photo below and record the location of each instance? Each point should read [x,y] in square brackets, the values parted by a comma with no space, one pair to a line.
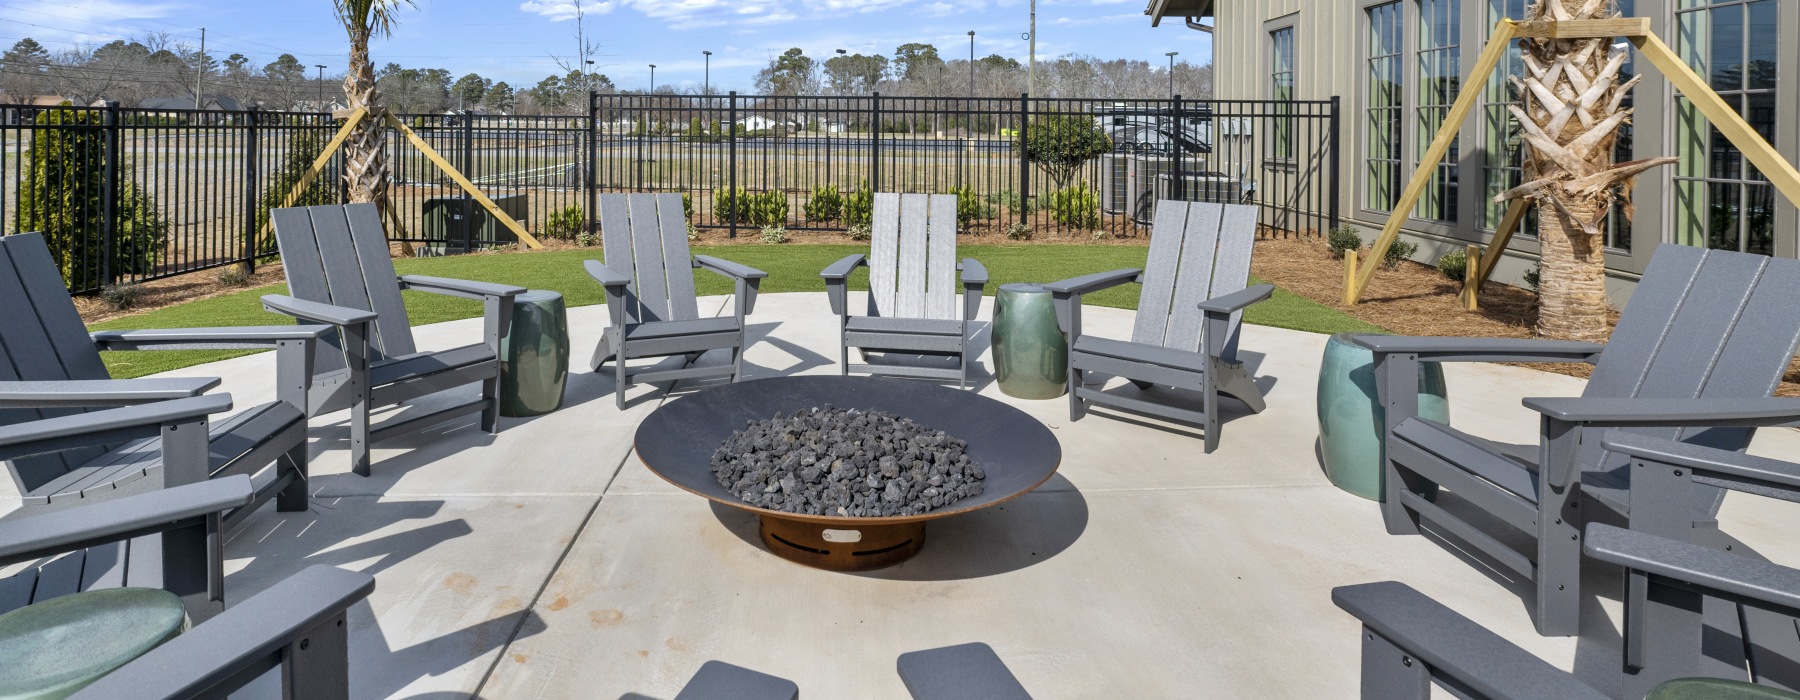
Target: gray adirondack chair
[339,273]
[1411,642]
[1186,331]
[50,368]
[649,281]
[961,672]
[1695,357]
[914,277]
[296,624]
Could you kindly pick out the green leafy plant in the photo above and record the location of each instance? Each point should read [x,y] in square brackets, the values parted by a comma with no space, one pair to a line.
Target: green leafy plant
[859,206]
[1454,266]
[692,232]
[825,204]
[62,187]
[122,296]
[860,232]
[1076,205]
[969,206]
[1018,232]
[768,208]
[722,205]
[586,239]
[1060,144]
[1010,200]
[687,206]
[1343,239]
[1399,252]
[1534,277]
[774,234]
[565,224]
[233,276]
[1098,236]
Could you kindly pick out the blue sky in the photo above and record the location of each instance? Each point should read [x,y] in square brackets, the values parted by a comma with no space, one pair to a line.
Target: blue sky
[513,41]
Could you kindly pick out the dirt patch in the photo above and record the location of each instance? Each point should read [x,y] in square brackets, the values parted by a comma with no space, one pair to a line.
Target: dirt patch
[179,289]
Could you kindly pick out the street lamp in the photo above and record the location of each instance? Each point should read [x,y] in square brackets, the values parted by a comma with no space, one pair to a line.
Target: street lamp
[971,63]
[652,78]
[706,80]
[1171,56]
[587,80]
[321,68]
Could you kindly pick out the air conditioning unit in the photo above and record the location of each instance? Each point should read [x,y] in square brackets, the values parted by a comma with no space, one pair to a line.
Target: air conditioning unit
[1114,173]
[1141,185]
[1201,187]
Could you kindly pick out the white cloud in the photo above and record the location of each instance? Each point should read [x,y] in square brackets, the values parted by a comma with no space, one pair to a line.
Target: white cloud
[559,10]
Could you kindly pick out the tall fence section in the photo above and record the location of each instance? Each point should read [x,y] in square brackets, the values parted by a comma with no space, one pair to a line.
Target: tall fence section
[127,195]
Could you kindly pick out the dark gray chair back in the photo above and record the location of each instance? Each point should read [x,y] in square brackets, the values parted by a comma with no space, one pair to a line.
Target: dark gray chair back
[646,239]
[1198,251]
[339,255]
[912,257]
[42,338]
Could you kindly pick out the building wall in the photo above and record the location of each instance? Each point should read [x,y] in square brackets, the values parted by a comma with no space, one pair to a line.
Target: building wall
[1330,60]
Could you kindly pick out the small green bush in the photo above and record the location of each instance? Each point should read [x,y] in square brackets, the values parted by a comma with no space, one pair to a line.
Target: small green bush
[233,276]
[768,208]
[1018,232]
[969,206]
[774,234]
[565,224]
[122,296]
[1454,266]
[722,199]
[1098,236]
[860,232]
[1076,205]
[1343,239]
[1399,252]
[1010,200]
[1534,277]
[859,206]
[687,206]
[693,233]
[825,204]
[587,239]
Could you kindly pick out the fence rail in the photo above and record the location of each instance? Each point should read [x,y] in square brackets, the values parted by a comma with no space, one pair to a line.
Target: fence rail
[127,195]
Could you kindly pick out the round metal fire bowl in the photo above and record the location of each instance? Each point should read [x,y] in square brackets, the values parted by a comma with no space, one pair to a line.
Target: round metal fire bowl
[1017,452]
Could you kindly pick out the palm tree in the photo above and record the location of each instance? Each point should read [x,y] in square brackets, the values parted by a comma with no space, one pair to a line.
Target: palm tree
[365,160]
[1570,117]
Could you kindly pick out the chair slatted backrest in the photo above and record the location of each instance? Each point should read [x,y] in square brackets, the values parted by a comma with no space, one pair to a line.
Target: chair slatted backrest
[339,255]
[1198,251]
[1701,324]
[912,257]
[646,239]
[42,338]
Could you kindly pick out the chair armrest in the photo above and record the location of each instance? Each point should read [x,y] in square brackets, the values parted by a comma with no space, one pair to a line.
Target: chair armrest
[219,655]
[119,519]
[605,275]
[96,393]
[29,438]
[841,269]
[1695,413]
[974,278]
[1709,465]
[1444,349]
[459,288]
[225,337]
[316,312]
[1717,571]
[1455,647]
[1094,282]
[1238,300]
[729,268]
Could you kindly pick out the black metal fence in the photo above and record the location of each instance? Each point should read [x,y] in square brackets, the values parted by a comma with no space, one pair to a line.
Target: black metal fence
[129,195]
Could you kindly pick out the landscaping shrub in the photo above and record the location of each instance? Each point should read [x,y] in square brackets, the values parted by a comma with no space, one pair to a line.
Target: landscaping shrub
[586,239]
[687,206]
[768,208]
[1076,205]
[774,234]
[122,296]
[233,276]
[565,223]
[859,206]
[825,204]
[860,232]
[63,181]
[722,205]
[693,232]
[969,206]
[1343,239]
[1010,200]
[1018,232]
[1098,236]
[1399,252]
[1534,277]
[1454,266]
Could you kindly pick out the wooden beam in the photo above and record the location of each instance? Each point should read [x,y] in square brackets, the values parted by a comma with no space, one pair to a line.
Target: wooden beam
[1471,294]
[1515,213]
[1727,120]
[1440,145]
[1585,28]
[354,117]
[463,182]
[1349,276]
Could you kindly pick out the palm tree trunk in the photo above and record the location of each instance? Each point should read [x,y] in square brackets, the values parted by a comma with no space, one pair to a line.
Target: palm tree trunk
[365,154]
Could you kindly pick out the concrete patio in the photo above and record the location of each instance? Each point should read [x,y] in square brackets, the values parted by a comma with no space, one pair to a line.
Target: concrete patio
[548,562]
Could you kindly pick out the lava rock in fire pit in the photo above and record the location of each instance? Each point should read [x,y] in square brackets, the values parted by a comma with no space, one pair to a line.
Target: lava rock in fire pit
[846,463]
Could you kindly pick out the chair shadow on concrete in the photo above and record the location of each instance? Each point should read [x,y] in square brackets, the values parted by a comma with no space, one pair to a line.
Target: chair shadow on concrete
[283,543]
[759,334]
[1230,409]
[999,539]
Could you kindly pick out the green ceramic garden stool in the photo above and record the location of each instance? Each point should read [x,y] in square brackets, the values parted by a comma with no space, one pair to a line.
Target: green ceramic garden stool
[1351,420]
[534,355]
[1716,689]
[54,648]
[1031,357]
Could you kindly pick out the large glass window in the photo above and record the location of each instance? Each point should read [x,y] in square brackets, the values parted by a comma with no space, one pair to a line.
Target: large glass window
[1440,78]
[1382,124]
[1281,88]
[1721,201]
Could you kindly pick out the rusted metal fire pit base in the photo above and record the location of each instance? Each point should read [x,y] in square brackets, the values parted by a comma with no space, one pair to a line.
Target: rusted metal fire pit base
[841,547]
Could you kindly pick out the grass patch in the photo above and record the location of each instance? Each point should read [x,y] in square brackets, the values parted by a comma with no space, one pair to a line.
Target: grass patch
[790,268]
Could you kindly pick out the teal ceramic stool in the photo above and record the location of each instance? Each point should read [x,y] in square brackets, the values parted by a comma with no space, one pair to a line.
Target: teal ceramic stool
[1716,689]
[534,355]
[1031,357]
[1351,420]
[59,646]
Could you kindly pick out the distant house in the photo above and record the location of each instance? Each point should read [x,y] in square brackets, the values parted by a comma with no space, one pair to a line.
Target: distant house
[762,123]
[209,102]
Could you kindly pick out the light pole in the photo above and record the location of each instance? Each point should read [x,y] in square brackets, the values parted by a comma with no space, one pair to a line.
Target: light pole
[971,63]
[652,78]
[587,80]
[1171,56]
[706,80]
[321,68]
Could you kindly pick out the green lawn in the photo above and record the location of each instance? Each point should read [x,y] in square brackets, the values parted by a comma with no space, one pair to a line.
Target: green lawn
[793,268]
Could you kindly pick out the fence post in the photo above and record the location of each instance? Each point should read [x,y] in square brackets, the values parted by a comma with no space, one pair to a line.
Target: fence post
[731,159]
[593,162]
[1024,162]
[468,171]
[1336,164]
[875,143]
[109,189]
[1178,180]
[251,173]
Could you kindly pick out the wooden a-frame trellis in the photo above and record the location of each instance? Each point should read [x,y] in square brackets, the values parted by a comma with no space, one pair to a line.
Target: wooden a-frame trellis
[1634,29]
[354,117]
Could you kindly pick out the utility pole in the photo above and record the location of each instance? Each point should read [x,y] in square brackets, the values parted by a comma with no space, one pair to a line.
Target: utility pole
[321,68]
[1031,70]
[971,63]
[652,78]
[706,79]
[200,72]
[1171,56]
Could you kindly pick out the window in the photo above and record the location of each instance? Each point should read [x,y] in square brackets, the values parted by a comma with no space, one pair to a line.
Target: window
[1440,77]
[1281,89]
[1721,201]
[1382,126]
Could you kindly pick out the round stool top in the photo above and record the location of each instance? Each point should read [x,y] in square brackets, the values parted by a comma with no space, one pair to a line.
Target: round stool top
[1023,288]
[1716,689]
[536,296]
[56,647]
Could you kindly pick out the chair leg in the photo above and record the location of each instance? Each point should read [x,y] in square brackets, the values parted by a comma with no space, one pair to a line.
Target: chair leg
[188,560]
[1209,403]
[1388,672]
[619,380]
[317,664]
[1076,410]
[737,362]
[293,497]
[490,416]
[359,436]
[1559,562]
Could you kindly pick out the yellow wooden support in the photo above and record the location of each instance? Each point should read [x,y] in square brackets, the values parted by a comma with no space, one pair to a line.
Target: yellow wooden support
[1585,28]
[351,119]
[1471,294]
[1440,145]
[463,182]
[1515,213]
[1727,120]
[1349,277]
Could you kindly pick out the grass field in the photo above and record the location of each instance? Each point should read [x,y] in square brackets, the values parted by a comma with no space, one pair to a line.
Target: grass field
[793,268]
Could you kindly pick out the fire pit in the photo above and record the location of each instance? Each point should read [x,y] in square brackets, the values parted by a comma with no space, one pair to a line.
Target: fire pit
[1016,452]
